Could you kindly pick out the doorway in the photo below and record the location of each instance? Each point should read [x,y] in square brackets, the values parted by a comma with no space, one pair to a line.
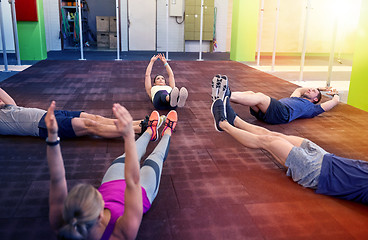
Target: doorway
[142,25]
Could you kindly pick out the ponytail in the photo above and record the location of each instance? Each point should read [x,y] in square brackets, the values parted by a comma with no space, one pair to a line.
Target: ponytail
[82,208]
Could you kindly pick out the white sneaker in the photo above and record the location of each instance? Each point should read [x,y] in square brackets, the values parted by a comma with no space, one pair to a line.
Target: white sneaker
[183,95]
[161,120]
[174,97]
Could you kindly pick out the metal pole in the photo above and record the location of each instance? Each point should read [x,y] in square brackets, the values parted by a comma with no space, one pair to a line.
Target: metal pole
[302,60]
[15,31]
[117,31]
[332,52]
[167,30]
[80,30]
[3,39]
[201,34]
[260,32]
[275,36]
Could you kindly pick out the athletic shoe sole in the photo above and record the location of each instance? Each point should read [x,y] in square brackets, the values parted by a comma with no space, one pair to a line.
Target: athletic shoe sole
[183,95]
[215,82]
[222,88]
[174,97]
[154,125]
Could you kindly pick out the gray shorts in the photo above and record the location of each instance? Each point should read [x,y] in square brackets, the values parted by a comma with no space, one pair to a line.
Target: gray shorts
[304,164]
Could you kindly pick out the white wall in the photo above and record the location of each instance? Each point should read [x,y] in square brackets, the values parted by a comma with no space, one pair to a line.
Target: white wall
[124,25]
[320,26]
[221,24]
[8,28]
[176,31]
[52,24]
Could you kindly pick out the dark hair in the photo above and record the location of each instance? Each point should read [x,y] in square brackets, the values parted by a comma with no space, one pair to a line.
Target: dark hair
[319,97]
[154,79]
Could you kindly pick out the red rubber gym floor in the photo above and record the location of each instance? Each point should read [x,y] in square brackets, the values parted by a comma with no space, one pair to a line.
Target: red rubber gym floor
[211,188]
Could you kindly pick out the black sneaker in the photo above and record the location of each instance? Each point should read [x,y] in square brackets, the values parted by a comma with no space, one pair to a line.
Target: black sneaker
[229,111]
[218,113]
[144,125]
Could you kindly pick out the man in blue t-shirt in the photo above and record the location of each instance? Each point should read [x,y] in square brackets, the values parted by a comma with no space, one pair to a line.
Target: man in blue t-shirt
[301,104]
[307,164]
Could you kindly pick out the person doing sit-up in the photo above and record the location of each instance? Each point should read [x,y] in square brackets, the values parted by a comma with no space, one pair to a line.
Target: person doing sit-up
[307,163]
[301,104]
[163,96]
[115,209]
[23,121]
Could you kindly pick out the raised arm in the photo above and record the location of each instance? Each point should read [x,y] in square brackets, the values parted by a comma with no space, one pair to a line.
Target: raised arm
[128,224]
[4,96]
[328,105]
[147,79]
[58,187]
[168,69]
[299,92]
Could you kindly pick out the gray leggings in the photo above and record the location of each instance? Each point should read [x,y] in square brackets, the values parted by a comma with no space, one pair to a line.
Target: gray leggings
[150,172]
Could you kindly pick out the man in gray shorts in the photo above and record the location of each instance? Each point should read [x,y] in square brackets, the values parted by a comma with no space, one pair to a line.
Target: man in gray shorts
[307,163]
[22,121]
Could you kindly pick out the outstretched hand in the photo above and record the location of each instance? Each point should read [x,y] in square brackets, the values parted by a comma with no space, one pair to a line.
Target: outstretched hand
[327,88]
[332,92]
[50,120]
[124,121]
[162,58]
[154,58]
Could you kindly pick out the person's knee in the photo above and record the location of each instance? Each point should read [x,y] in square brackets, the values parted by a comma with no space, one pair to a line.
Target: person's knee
[90,124]
[267,139]
[91,116]
[83,126]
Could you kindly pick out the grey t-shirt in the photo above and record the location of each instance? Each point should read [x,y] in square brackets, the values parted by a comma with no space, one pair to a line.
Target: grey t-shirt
[21,121]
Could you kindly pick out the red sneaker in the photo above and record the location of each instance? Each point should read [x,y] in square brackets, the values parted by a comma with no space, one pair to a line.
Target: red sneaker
[152,123]
[171,120]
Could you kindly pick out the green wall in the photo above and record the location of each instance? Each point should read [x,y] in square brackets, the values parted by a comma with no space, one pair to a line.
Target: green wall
[32,38]
[244,30]
[359,75]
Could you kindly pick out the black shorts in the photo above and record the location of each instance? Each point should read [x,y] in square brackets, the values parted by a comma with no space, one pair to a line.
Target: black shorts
[159,101]
[277,113]
[64,120]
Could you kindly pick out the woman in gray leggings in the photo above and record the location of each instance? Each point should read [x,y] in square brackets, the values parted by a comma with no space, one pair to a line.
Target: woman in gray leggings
[127,191]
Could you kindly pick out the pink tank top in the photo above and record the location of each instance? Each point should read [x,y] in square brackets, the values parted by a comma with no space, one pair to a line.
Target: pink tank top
[113,194]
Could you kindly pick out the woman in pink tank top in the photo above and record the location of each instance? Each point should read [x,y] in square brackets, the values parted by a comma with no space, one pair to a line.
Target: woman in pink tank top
[114,211]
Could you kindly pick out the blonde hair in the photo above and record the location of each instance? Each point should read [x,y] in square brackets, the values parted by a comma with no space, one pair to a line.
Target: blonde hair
[82,208]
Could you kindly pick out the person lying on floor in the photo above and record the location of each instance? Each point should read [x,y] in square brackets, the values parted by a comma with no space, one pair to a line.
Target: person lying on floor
[23,121]
[307,163]
[115,209]
[164,97]
[301,104]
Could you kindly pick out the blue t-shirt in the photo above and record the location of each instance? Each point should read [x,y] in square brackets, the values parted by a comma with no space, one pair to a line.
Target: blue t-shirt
[344,178]
[301,108]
